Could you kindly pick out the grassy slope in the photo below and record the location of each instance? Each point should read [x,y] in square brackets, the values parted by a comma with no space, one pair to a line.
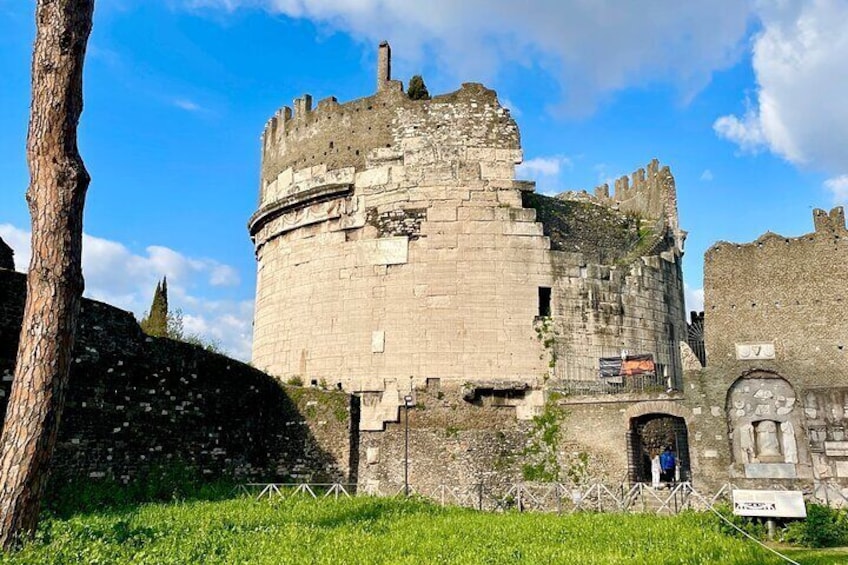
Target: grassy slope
[368,530]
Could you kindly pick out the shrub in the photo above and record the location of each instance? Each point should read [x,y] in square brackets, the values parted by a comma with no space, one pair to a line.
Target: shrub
[750,526]
[824,527]
[417,90]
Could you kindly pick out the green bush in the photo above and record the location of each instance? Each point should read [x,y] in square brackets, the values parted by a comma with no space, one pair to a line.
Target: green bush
[824,527]
[296,380]
[751,526]
[417,90]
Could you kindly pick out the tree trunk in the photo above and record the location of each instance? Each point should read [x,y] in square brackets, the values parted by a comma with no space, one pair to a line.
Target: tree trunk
[56,195]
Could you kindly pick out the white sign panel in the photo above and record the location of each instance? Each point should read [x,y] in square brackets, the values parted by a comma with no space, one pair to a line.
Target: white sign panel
[769,503]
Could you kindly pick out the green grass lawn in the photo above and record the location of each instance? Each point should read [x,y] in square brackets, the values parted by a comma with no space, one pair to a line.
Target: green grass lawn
[373,530]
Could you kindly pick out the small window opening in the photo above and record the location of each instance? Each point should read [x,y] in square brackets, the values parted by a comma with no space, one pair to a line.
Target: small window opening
[544,301]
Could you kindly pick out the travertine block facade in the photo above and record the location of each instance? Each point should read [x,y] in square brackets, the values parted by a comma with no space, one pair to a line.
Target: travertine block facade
[395,245]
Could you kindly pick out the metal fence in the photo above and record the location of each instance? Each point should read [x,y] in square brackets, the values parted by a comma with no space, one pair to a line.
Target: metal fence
[578,368]
[540,497]
[533,497]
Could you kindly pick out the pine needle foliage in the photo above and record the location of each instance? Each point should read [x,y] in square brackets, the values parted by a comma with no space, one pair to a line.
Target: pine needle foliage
[156,321]
[417,90]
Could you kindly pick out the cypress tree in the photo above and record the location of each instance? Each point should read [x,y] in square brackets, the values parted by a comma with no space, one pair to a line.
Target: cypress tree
[156,321]
[417,90]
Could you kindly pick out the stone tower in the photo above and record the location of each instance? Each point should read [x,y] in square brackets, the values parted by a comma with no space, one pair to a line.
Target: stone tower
[396,248]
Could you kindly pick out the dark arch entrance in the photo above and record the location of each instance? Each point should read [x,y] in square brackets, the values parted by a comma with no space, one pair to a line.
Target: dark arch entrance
[651,432]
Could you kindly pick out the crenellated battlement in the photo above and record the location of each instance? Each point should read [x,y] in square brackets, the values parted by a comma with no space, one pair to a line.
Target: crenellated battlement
[649,192]
[341,135]
[829,228]
[832,223]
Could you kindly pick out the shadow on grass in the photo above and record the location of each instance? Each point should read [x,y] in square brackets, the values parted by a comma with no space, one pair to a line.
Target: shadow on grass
[376,509]
[163,484]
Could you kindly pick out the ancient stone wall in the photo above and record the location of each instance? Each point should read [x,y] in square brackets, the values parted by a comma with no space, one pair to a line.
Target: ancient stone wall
[136,403]
[461,441]
[618,287]
[779,300]
[337,136]
[415,256]
[774,335]
[7,256]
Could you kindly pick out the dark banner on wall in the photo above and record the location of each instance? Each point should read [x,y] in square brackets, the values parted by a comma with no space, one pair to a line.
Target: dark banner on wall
[626,366]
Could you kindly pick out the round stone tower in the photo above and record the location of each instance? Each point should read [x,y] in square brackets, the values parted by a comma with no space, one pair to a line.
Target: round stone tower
[394,249]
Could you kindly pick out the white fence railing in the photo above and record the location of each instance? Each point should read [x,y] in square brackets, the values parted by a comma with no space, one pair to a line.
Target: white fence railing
[537,497]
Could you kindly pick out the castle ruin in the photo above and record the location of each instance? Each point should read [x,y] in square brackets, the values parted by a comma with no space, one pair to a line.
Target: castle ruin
[481,334]
[396,250]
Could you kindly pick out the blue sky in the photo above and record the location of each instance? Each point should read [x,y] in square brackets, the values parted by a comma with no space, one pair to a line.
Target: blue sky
[744,100]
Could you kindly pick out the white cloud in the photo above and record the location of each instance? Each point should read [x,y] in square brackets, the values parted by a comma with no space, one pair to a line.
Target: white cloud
[589,48]
[694,298]
[543,166]
[707,175]
[187,105]
[746,132]
[117,276]
[545,171]
[800,59]
[223,275]
[838,186]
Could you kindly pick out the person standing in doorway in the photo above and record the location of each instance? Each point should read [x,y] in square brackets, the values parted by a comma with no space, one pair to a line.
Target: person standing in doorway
[668,463]
[656,469]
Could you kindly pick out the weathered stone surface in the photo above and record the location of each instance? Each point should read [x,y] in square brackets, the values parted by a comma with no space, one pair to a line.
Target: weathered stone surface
[770,471]
[7,256]
[136,403]
[774,328]
[450,262]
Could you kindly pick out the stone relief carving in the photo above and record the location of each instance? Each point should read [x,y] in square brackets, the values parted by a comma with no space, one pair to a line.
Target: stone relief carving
[763,420]
[768,444]
[790,447]
[747,443]
[754,351]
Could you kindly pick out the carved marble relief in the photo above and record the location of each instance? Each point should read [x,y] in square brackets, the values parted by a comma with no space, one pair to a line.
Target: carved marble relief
[763,425]
[826,421]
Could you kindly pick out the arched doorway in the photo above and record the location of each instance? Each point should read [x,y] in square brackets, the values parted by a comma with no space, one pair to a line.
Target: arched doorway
[651,433]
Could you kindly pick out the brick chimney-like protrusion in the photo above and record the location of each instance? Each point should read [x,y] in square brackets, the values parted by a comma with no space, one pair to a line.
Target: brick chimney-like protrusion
[384,65]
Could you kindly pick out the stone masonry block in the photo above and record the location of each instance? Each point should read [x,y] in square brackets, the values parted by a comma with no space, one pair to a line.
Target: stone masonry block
[466,213]
[511,198]
[384,251]
[502,171]
[522,228]
[372,177]
[439,213]
[481,154]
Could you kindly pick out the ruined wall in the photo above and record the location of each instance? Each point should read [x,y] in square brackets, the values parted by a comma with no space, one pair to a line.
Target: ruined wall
[7,256]
[136,402]
[774,337]
[461,441]
[649,193]
[784,296]
[618,285]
